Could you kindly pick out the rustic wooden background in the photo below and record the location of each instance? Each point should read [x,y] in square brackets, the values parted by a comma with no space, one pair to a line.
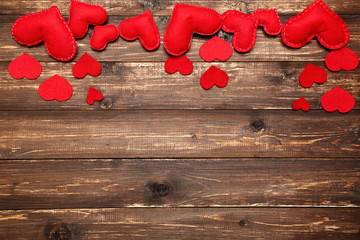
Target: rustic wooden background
[161,158]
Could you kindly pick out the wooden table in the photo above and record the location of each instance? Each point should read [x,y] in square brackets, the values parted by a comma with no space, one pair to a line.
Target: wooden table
[161,158]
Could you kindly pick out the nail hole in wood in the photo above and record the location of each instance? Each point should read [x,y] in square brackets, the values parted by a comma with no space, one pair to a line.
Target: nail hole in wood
[243,223]
[193,135]
[257,126]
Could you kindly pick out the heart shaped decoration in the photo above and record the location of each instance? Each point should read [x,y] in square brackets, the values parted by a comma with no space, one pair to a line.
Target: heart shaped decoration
[312,74]
[84,14]
[269,19]
[55,88]
[48,26]
[102,35]
[338,99]
[302,104]
[93,95]
[86,65]
[25,66]
[142,27]
[214,76]
[319,21]
[343,58]
[181,64]
[216,48]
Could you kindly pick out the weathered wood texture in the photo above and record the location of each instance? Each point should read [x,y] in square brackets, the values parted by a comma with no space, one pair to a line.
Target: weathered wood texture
[172,134]
[181,223]
[92,183]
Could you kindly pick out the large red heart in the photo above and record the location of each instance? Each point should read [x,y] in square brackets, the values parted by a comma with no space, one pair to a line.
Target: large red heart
[269,19]
[48,26]
[216,48]
[181,64]
[338,99]
[93,95]
[185,21]
[302,104]
[86,65]
[55,87]
[84,14]
[317,20]
[214,76]
[312,74]
[25,66]
[102,35]
[343,58]
[142,27]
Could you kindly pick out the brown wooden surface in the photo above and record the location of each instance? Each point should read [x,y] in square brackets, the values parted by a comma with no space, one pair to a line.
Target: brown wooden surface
[161,158]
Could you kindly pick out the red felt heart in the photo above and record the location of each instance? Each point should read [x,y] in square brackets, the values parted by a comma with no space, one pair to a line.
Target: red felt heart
[338,99]
[317,20]
[343,58]
[214,76]
[270,20]
[302,104]
[142,27]
[25,66]
[185,21]
[86,65]
[48,26]
[55,87]
[312,74]
[216,48]
[84,14]
[181,64]
[102,35]
[243,26]
[93,95]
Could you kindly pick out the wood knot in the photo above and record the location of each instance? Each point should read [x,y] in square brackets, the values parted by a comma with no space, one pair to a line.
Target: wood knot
[106,104]
[193,135]
[243,223]
[57,232]
[257,125]
[159,190]
[225,36]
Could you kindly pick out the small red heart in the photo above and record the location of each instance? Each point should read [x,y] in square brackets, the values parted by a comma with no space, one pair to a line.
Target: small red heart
[86,65]
[270,20]
[181,64]
[216,48]
[343,58]
[102,35]
[214,76]
[25,66]
[338,99]
[93,95]
[302,104]
[55,87]
[312,74]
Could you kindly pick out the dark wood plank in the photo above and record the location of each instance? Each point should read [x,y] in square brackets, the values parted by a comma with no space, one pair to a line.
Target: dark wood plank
[266,49]
[181,223]
[75,183]
[175,134]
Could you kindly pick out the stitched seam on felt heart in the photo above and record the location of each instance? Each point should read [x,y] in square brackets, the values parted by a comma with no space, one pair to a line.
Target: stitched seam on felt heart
[322,4]
[263,25]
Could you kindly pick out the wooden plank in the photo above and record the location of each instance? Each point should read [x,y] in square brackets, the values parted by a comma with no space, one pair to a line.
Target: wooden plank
[260,85]
[266,49]
[181,223]
[264,182]
[162,7]
[175,134]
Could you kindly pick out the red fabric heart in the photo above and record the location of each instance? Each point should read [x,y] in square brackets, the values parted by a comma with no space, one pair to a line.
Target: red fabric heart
[270,20]
[185,21]
[317,20]
[244,27]
[25,66]
[48,26]
[102,35]
[93,95]
[312,74]
[214,76]
[302,104]
[216,48]
[86,65]
[84,14]
[343,58]
[181,64]
[55,87]
[338,99]
[142,27]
